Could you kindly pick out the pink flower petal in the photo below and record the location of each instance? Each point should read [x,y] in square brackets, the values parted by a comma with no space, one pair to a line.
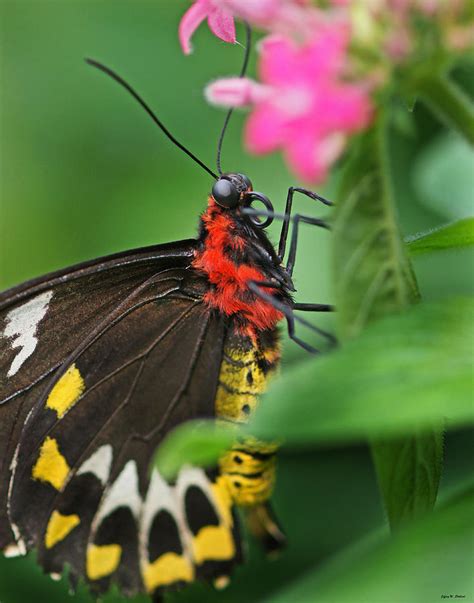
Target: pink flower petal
[221,23]
[265,129]
[278,60]
[259,13]
[331,148]
[325,55]
[310,156]
[235,92]
[346,107]
[190,21]
[303,159]
[304,105]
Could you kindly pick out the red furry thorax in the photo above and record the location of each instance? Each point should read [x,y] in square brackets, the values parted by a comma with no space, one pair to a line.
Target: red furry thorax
[230,292]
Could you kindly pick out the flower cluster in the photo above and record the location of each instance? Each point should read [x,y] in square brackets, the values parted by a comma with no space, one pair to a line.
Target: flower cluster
[318,67]
[301,104]
[399,28]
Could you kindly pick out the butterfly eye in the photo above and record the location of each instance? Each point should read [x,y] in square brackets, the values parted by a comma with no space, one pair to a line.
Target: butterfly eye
[246,181]
[225,193]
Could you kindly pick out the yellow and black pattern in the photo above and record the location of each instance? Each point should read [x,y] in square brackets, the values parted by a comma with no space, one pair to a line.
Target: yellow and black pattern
[248,469]
[105,518]
[245,370]
[77,442]
[79,426]
[182,532]
[249,472]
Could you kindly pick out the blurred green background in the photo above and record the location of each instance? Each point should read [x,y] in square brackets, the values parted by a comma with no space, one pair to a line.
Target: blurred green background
[85,173]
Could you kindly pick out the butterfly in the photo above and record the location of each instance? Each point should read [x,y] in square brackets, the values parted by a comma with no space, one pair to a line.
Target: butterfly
[98,362]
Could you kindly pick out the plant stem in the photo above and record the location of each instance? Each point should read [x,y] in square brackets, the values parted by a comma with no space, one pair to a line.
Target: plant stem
[374,278]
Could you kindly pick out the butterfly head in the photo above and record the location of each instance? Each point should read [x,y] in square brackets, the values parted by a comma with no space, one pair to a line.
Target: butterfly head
[230,189]
[233,190]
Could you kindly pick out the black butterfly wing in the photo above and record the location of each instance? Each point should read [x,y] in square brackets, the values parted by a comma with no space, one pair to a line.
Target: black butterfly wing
[79,488]
[44,320]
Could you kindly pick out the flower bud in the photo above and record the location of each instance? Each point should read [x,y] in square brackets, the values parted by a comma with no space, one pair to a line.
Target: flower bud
[235,92]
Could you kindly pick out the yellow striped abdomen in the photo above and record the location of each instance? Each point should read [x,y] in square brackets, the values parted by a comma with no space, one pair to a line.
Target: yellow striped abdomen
[249,468]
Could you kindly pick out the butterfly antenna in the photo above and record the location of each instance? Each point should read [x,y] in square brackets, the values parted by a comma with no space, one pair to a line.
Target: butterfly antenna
[139,99]
[248,41]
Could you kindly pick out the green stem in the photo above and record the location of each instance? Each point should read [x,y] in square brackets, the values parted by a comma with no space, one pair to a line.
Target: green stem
[374,278]
[449,102]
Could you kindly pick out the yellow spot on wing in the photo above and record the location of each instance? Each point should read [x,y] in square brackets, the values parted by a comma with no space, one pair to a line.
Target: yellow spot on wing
[51,466]
[223,499]
[214,543]
[66,392]
[59,527]
[102,560]
[166,569]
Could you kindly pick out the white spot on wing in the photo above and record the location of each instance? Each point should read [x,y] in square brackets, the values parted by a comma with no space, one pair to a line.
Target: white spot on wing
[192,476]
[15,529]
[122,493]
[21,323]
[98,463]
[55,576]
[160,496]
[13,550]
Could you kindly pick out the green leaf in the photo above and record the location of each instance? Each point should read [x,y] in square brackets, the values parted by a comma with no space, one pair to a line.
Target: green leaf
[402,373]
[373,278]
[451,236]
[415,459]
[448,101]
[194,443]
[443,178]
[425,561]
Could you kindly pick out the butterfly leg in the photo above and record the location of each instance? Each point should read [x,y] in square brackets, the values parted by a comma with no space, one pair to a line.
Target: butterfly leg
[264,525]
[296,219]
[288,207]
[291,318]
[290,264]
[313,307]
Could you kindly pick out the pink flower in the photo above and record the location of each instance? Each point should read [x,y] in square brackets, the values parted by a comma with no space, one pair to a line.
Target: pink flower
[219,19]
[284,16]
[275,15]
[302,105]
[236,92]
